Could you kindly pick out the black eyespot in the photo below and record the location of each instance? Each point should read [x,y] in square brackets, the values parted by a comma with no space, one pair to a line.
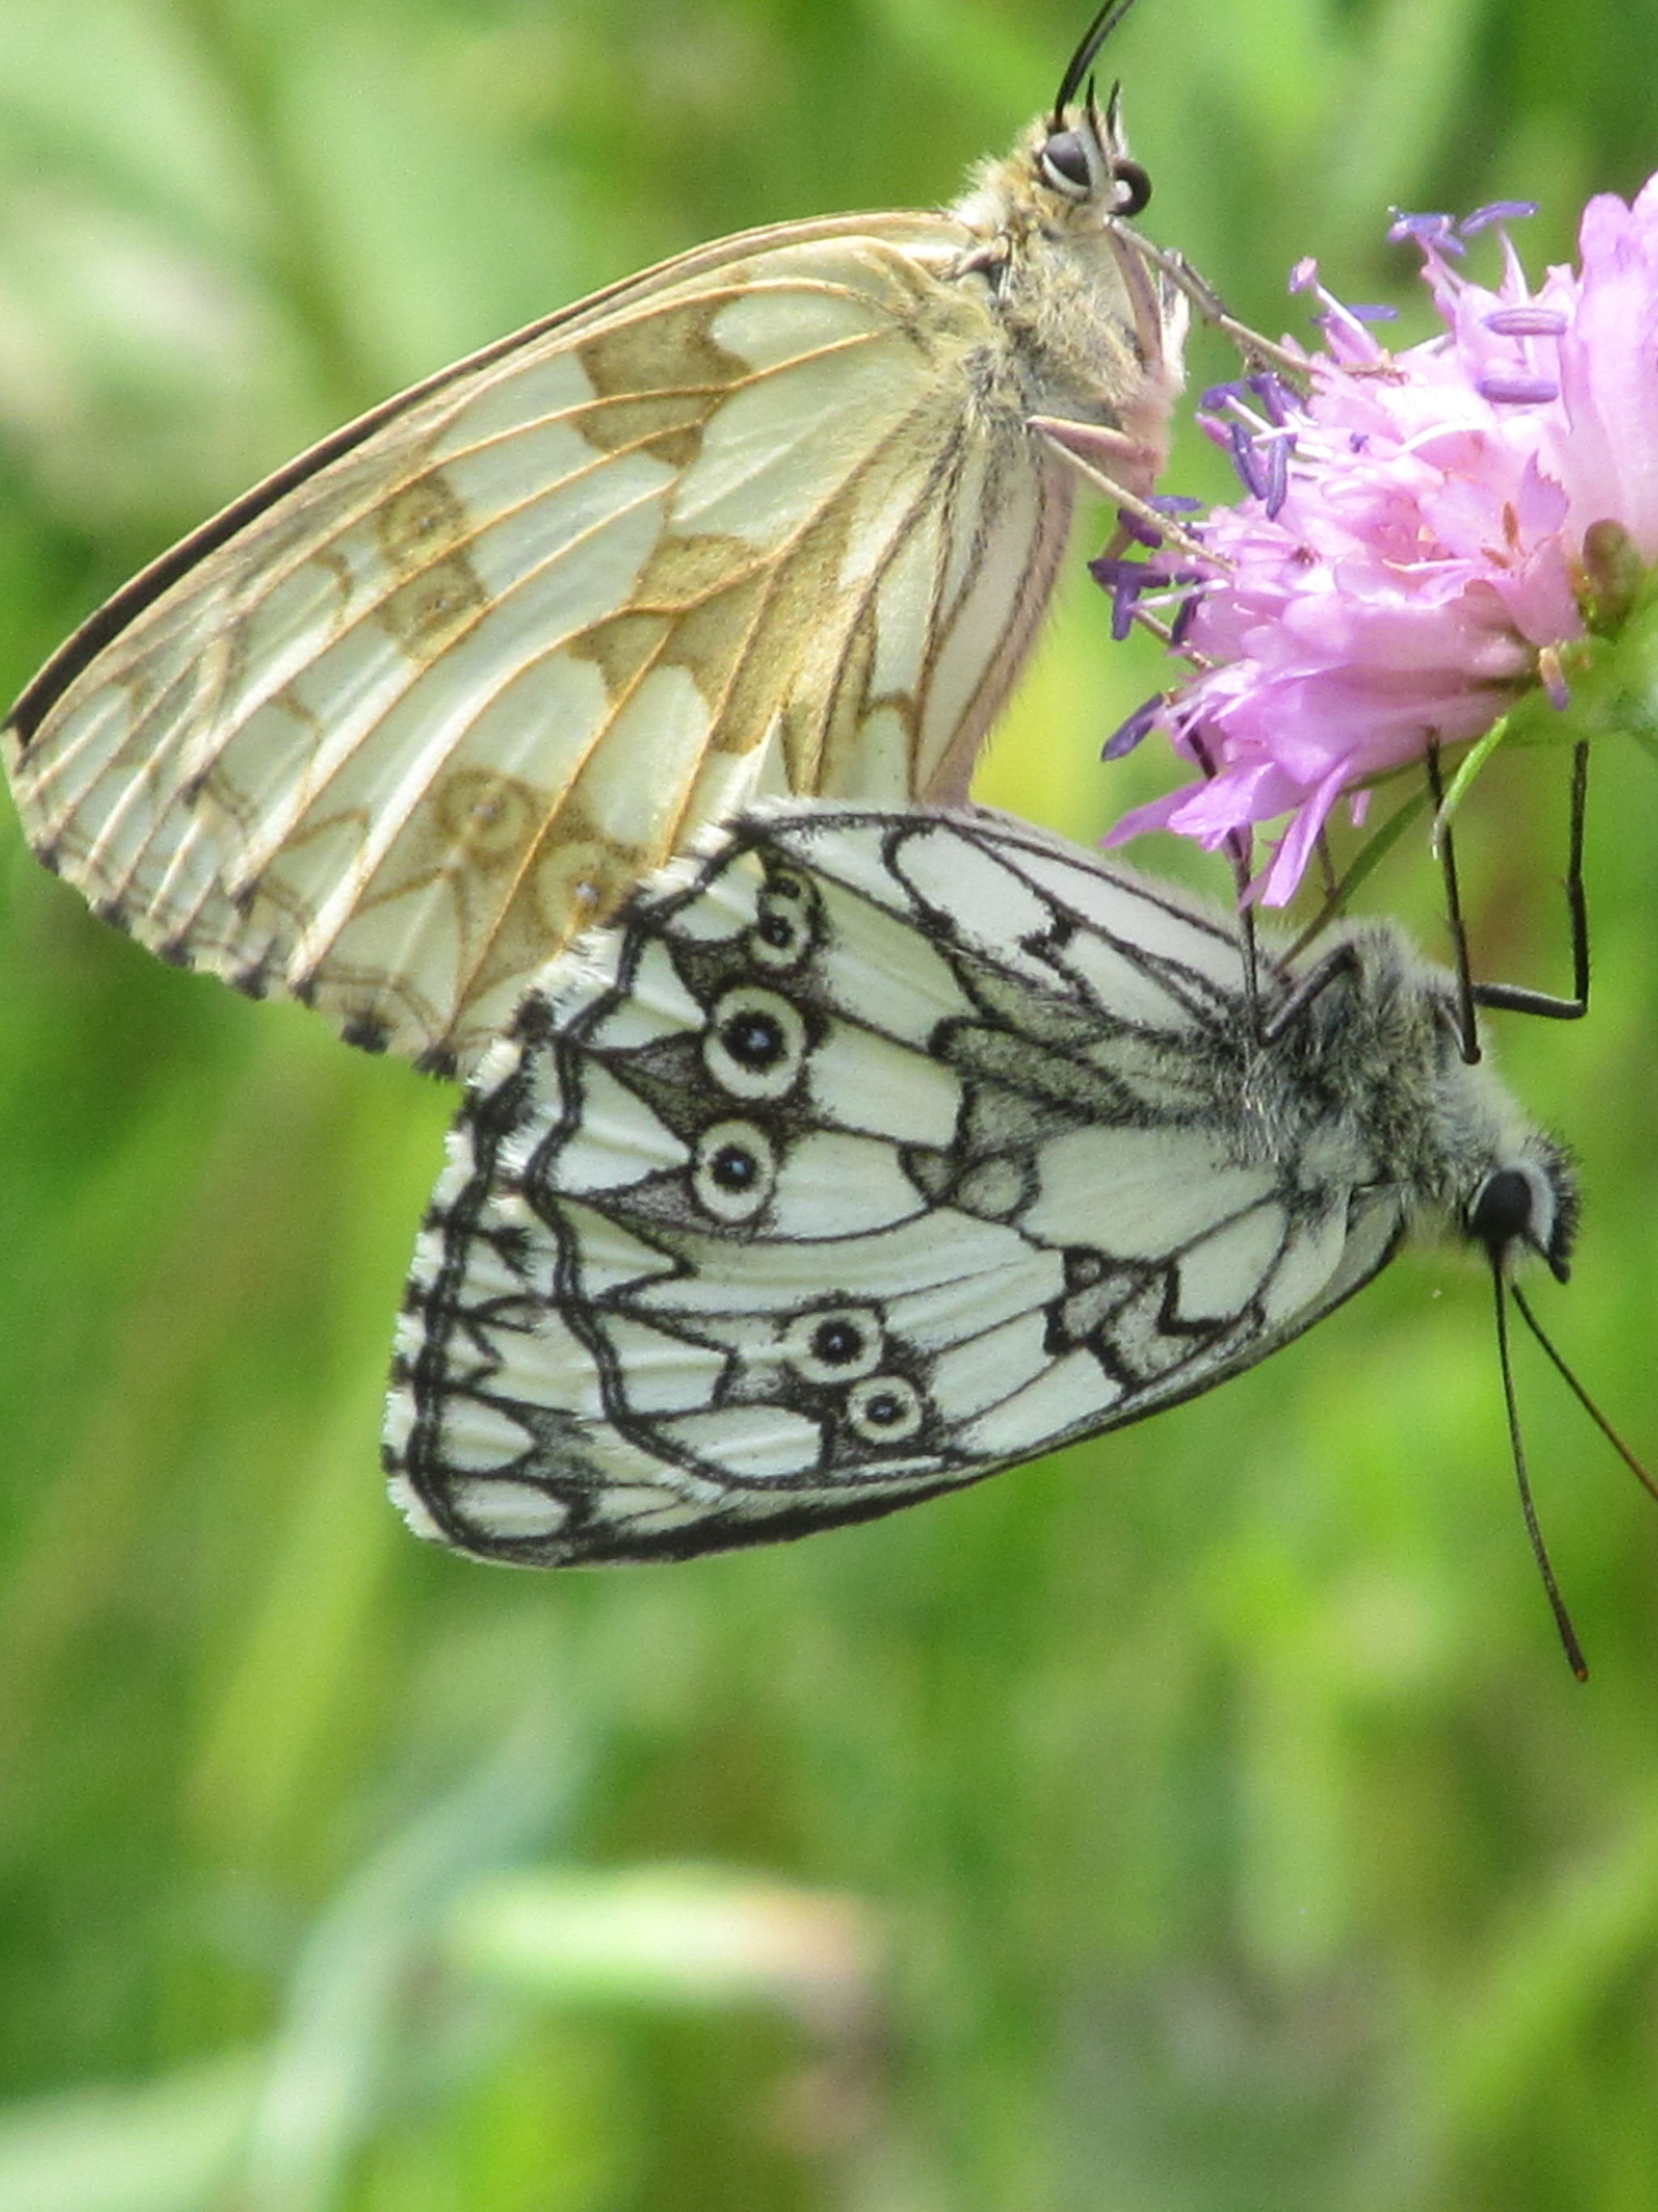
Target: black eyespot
[1136,186]
[1063,161]
[733,1167]
[785,926]
[836,1347]
[885,1410]
[756,1044]
[837,1343]
[753,1039]
[734,1171]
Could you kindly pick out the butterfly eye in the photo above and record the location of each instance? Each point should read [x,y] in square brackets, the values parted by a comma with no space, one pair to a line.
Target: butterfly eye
[1502,1209]
[756,1044]
[734,1171]
[1134,186]
[1526,1204]
[1063,161]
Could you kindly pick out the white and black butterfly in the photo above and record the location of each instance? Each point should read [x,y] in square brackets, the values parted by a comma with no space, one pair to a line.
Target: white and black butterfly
[875,1151]
[780,515]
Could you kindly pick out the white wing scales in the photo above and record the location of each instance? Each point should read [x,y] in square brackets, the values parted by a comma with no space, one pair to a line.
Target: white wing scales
[838,1178]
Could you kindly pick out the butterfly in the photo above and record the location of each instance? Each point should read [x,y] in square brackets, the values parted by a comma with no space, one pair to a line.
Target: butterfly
[780,515]
[876,1150]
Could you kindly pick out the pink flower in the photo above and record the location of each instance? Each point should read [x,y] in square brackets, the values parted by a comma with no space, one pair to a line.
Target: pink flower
[1411,556]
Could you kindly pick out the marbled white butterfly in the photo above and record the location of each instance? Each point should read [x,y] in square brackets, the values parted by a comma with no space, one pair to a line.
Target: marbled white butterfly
[780,515]
[874,1150]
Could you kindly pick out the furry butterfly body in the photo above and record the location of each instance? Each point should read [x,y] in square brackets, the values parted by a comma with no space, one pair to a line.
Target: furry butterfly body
[880,1150]
[781,515]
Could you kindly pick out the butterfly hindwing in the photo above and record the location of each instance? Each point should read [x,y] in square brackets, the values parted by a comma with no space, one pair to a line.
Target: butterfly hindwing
[888,1149]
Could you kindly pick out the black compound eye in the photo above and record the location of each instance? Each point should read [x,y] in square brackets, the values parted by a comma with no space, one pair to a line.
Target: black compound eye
[1134,184]
[1534,1205]
[1063,161]
[734,1171]
[757,1043]
[1504,1208]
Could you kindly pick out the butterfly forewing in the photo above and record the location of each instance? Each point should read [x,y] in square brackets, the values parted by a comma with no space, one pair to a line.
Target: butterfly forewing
[768,518]
[889,1150]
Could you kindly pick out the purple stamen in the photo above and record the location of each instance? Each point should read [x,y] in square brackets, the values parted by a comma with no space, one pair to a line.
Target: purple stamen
[1247,459]
[1497,211]
[1276,452]
[1346,335]
[1138,531]
[1143,532]
[1276,400]
[1527,322]
[1516,391]
[1125,581]
[1374,314]
[1432,230]
[1140,724]
[1186,615]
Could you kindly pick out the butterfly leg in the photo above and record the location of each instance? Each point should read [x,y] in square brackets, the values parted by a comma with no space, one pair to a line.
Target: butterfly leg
[1515,997]
[1238,853]
[1512,997]
[1342,959]
[1105,457]
[1211,308]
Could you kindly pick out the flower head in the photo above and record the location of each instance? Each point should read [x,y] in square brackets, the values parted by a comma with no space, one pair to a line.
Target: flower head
[1420,535]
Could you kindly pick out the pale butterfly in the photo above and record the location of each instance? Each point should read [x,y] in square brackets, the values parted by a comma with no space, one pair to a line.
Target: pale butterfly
[781,515]
[873,1150]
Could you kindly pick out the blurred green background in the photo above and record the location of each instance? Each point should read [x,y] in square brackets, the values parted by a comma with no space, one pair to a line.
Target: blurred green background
[1205,1821]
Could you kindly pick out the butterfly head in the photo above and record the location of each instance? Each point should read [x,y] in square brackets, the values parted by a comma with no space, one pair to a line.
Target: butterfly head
[1081,155]
[1527,1205]
[1521,1198]
[1082,158]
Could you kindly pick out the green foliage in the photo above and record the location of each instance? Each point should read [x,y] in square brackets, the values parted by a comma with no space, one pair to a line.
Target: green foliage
[1204,1822]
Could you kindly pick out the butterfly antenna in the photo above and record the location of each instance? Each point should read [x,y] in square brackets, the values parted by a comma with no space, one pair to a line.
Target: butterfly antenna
[1468,1021]
[1634,1465]
[1082,60]
[1504,1290]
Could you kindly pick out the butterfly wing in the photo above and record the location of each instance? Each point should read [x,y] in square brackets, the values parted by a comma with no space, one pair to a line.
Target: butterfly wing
[391,731]
[891,1149]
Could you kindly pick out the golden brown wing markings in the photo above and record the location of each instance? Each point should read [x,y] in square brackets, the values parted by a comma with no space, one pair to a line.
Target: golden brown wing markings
[702,603]
[423,531]
[519,868]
